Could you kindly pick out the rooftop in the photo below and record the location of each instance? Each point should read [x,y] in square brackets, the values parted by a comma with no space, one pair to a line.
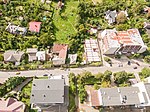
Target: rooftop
[11,105]
[35,26]
[119,96]
[47,91]
[61,49]
[116,38]
[91,50]
[16,29]
[13,55]
[94,98]
[32,50]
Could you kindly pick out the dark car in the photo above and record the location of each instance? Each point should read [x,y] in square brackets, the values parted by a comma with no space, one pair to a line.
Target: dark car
[129,62]
[45,75]
[135,67]
[137,63]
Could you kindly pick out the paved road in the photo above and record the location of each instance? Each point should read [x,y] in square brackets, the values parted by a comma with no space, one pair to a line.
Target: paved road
[57,71]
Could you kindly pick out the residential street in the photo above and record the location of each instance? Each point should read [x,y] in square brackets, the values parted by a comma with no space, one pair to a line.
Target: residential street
[30,73]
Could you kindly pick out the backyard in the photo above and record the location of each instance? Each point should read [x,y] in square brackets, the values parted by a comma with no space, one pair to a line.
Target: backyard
[65,21]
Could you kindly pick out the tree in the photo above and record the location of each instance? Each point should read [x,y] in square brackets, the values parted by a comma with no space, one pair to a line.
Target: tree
[147,59]
[121,17]
[1,57]
[107,76]
[120,77]
[99,76]
[72,82]
[145,72]
[96,86]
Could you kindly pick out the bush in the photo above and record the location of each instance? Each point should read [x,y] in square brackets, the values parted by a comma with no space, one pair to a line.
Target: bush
[96,86]
[147,59]
[107,59]
[1,57]
[10,84]
[96,64]
[48,65]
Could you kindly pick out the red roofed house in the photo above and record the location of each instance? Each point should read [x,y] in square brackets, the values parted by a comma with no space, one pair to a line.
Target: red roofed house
[59,53]
[11,105]
[129,41]
[35,26]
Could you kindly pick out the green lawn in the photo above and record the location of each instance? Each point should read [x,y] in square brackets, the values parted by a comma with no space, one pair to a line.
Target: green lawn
[27,90]
[72,105]
[65,21]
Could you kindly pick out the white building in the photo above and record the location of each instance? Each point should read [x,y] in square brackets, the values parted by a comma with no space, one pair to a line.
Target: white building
[129,41]
[91,50]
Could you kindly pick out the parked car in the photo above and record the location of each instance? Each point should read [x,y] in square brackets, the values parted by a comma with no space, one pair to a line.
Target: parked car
[137,63]
[17,73]
[45,75]
[129,62]
[135,67]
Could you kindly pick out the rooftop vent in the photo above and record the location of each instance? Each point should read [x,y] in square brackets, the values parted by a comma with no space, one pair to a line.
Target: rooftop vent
[48,86]
[104,93]
[34,85]
[118,90]
[44,95]
[33,95]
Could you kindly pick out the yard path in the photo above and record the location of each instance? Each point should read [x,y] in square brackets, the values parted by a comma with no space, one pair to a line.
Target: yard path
[18,88]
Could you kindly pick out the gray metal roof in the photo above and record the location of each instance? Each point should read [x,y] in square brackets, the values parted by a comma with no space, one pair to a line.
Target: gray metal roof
[47,91]
[13,55]
[147,86]
[120,96]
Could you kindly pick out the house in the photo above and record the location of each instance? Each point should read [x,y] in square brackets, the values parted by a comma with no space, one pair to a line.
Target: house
[59,52]
[73,58]
[147,27]
[13,56]
[60,4]
[47,92]
[11,105]
[16,29]
[41,55]
[147,9]
[91,51]
[32,54]
[137,95]
[35,26]
[122,42]
[144,93]
[111,16]
[118,96]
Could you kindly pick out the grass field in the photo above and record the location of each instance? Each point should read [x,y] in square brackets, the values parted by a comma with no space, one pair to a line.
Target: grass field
[65,21]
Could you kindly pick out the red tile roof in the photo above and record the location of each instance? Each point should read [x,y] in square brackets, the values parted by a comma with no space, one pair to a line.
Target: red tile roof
[34,26]
[11,105]
[94,98]
[61,49]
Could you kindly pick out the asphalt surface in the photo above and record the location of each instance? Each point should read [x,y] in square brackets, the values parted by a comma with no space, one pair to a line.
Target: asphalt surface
[94,70]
